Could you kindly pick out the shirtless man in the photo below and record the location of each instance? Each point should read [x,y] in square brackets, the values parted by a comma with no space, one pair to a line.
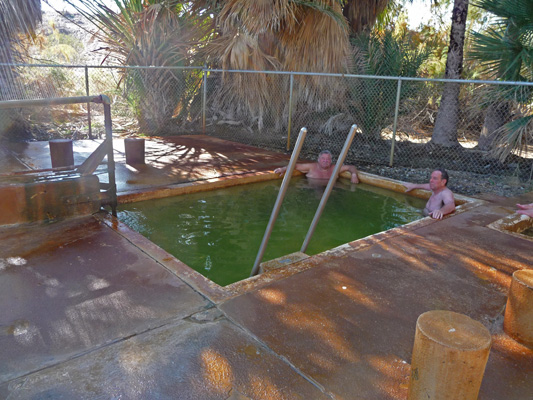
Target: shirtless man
[441,201]
[525,209]
[322,169]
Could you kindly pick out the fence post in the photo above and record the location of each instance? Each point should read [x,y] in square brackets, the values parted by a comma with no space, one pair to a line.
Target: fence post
[290,113]
[393,141]
[88,104]
[204,96]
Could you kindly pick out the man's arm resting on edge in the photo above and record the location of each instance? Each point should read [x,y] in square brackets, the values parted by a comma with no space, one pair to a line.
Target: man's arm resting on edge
[303,168]
[353,171]
[413,186]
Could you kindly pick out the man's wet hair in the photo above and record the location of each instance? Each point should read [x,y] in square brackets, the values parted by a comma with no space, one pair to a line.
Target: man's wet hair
[443,175]
[324,152]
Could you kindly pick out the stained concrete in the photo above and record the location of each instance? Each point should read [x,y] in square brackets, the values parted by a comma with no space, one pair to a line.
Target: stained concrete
[90,309]
[348,321]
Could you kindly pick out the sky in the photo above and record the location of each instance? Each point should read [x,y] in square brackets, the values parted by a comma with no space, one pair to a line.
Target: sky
[418,11]
[62,5]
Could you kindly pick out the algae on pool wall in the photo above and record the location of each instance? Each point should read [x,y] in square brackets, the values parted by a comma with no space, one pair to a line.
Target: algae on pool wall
[218,233]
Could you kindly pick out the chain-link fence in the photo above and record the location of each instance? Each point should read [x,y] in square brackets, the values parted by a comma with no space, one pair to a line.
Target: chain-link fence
[396,117]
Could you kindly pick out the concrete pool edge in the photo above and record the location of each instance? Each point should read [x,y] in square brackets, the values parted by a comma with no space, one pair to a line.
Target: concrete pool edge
[217,293]
[513,225]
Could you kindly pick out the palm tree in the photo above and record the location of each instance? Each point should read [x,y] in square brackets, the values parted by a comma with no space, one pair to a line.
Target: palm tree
[371,102]
[505,50]
[445,131]
[16,17]
[150,33]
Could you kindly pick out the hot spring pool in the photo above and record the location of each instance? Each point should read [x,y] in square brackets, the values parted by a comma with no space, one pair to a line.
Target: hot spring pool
[218,233]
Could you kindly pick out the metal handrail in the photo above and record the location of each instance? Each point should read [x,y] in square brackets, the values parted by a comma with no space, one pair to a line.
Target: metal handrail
[102,99]
[329,188]
[279,200]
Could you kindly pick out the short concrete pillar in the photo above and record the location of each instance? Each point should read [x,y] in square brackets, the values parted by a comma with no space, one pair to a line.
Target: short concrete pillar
[134,150]
[518,321]
[61,152]
[449,357]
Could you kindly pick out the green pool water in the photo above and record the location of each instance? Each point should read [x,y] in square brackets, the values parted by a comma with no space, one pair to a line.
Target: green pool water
[218,233]
[528,232]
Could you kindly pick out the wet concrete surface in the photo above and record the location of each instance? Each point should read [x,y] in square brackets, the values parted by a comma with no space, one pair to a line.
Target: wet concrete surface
[91,310]
[76,286]
[168,161]
[190,359]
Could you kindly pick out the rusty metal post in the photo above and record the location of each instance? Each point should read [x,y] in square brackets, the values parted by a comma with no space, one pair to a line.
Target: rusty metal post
[395,125]
[329,188]
[204,97]
[110,159]
[518,321]
[290,113]
[449,357]
[279,200]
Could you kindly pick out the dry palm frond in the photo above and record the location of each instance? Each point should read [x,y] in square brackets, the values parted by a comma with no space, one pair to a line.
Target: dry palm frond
[256,16]
[329,51]
[362,14]
[319,44]
[241,51]
[249,93]
[515,136]
[280,34]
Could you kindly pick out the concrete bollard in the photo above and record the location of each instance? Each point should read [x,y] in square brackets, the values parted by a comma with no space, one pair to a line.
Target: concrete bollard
[134,148]
[61,152]
[449,357]
[518,321]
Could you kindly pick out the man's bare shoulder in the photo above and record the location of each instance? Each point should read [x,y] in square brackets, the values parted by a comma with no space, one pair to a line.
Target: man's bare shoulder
[446,194]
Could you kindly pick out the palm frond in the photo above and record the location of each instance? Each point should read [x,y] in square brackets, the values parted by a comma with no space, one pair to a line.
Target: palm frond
[513,137]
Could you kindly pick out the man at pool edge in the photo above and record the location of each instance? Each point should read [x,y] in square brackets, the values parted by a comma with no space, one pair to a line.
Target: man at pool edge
[322,169]
[441,201]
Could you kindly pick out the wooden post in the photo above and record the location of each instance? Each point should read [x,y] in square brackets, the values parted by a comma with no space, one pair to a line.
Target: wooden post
[449,357]
[518,321]
[134,148]
[61,152]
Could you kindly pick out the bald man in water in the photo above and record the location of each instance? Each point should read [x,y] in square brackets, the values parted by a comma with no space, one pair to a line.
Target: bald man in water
[322,169]
[441,201]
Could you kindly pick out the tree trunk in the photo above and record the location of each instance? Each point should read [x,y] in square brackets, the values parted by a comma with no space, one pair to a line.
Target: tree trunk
[495,117]
[445,131]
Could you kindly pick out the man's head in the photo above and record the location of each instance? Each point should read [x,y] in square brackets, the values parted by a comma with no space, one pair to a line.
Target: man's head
[439,179]
[324,159]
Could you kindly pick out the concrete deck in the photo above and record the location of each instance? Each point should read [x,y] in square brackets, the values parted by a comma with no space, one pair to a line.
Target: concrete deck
[90,309]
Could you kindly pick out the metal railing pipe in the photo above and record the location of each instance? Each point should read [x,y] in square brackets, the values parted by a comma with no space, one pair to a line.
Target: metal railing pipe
[88,104]
[395,125]
[279,200]
[52,101]
[329,188]
[300,73]
[204,97]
